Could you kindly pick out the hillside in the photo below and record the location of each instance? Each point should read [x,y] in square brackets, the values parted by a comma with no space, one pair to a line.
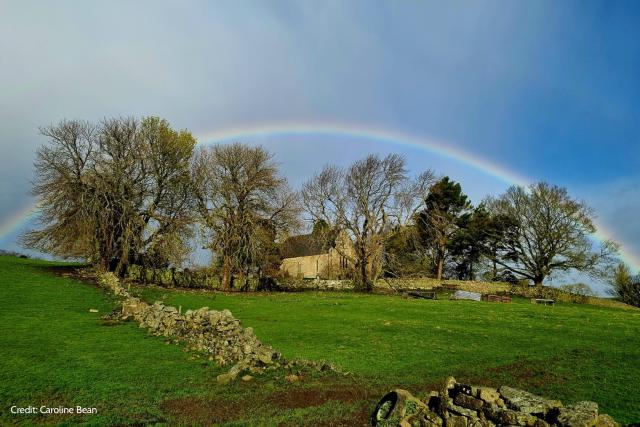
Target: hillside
[54,351]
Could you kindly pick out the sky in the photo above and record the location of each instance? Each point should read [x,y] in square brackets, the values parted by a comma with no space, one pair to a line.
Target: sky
[543,90]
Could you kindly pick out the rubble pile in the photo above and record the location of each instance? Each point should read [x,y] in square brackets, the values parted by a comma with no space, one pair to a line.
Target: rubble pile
[459,405]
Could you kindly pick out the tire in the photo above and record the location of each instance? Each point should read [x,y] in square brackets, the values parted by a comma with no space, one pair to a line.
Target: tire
[384,408]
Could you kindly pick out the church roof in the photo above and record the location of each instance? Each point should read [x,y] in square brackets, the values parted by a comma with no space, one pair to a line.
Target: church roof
[306,245]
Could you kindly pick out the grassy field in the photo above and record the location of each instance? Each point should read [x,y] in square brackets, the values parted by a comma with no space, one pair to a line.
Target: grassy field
[54,351]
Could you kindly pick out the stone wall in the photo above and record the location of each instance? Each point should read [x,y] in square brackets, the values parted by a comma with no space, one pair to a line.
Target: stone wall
[215,333]
[391,285]
[425,283]
[171,277]
[459,405]
[290,284]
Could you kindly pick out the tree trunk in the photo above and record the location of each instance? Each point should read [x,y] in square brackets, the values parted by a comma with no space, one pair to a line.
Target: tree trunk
[364,279]
[362,276]
[225,281]
[440,265]
[537,280]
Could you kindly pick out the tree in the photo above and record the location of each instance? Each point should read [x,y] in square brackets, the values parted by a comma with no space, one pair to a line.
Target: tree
[498,230]
[367,200]
[438,221]
[402,253]
[114,193]
[550,233]
[243,205]
[469,242]
[624,286]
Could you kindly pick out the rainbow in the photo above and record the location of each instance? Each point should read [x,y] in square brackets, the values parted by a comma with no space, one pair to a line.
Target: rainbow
[351,131]
[368,133]
[17,220]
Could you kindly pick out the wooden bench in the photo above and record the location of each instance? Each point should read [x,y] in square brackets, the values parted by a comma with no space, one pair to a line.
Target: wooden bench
[423,294]
[497,298]
[542,301]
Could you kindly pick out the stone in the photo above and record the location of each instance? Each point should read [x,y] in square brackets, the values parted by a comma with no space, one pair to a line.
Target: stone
[410,421]
[605,420]
[224,379]
[509,416]
[541,423]
[581,414]
[489,395]
[265,358]
[131,307]
[459,410]
[456,421]
[236,369]
[480,422]
[247,378]
[428,418]
[526,402]
[450,384]
[468,402]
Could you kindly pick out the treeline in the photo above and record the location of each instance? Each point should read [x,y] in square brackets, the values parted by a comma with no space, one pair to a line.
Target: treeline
[125,192]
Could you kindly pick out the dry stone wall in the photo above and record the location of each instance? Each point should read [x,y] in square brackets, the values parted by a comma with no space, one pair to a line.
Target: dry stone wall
[394,284]
[215,333]
[459,405]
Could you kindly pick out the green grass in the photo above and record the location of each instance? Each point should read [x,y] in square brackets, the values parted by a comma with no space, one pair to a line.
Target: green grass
[53,351]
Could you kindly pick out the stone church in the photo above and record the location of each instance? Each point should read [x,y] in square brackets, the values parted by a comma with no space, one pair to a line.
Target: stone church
[309,257]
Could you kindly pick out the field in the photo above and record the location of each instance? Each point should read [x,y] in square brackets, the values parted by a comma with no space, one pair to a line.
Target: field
[55,352]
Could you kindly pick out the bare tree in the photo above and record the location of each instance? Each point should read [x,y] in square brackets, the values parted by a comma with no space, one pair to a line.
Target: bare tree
[61,186]
[367,200]
[114,193]
[549,232]
[243,206]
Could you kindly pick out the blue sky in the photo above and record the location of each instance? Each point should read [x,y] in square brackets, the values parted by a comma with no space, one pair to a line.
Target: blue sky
[549,90]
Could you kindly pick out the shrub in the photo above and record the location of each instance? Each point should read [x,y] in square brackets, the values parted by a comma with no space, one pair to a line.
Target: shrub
[578,292]
[625,287]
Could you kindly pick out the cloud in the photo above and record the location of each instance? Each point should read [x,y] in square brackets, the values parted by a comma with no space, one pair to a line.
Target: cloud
[548,90]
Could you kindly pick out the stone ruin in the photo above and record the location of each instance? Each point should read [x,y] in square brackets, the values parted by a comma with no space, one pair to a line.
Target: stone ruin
[215,333]
[459,405]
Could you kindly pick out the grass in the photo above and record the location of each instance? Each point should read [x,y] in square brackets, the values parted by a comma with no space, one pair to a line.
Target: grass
[54,351]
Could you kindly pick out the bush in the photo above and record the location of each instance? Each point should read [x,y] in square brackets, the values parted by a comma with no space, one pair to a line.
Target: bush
[625,287]
[578,292]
